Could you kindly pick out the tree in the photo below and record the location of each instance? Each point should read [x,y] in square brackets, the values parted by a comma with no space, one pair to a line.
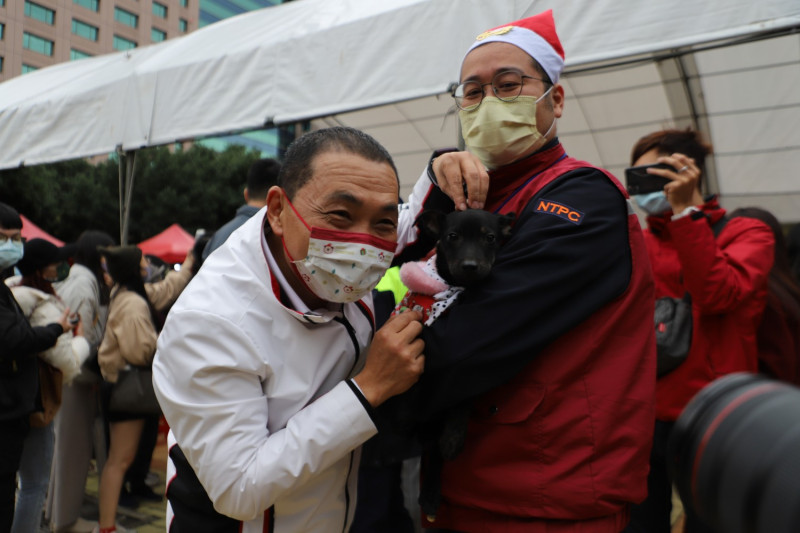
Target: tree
[197,188]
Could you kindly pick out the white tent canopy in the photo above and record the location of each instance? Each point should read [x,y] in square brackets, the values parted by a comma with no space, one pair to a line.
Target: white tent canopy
[728,67]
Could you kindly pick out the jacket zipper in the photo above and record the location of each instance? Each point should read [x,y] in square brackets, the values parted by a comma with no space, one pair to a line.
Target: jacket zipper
[354,340]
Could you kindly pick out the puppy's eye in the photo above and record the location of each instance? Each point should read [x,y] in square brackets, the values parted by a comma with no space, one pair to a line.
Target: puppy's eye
[452,236]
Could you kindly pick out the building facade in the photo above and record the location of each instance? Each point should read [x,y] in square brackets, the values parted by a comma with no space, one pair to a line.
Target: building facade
[36,34]
[215,10]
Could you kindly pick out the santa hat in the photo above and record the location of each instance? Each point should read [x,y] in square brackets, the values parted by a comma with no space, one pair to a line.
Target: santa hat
[534,35]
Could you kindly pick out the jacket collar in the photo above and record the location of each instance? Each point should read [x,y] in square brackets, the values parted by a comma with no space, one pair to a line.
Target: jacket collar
[504,181]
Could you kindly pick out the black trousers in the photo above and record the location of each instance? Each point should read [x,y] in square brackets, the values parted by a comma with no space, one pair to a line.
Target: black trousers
[380,501]
[12,437]
[653,514]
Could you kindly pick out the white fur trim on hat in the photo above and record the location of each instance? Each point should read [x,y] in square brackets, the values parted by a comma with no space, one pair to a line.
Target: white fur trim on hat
[529,42]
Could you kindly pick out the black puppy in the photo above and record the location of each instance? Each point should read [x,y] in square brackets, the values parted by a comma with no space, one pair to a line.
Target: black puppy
[467,243]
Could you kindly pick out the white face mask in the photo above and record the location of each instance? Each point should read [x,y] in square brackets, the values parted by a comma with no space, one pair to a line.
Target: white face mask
[342,266]
[499,132]
[654,203]
[10,253]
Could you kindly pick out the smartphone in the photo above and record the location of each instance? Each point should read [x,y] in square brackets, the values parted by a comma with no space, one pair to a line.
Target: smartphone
[75,316]
[640,182]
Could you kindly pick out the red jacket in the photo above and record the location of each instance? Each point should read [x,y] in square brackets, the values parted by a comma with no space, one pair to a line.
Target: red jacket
[567,439]
[727,280]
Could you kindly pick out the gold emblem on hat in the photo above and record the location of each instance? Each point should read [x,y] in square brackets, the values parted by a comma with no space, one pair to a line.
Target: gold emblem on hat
[490,33]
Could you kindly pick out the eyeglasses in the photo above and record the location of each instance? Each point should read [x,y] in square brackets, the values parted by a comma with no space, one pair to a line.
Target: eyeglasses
[17,237]
[507,86]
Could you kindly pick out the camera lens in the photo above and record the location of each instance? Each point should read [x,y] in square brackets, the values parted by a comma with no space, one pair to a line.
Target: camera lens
[735,455]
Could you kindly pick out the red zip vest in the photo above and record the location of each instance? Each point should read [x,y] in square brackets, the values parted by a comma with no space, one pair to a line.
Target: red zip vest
[568,439]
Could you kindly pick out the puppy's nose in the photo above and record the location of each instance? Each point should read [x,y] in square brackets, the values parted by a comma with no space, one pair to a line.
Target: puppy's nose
[469,265]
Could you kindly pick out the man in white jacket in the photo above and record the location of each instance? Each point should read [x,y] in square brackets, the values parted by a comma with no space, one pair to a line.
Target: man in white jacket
[268,367]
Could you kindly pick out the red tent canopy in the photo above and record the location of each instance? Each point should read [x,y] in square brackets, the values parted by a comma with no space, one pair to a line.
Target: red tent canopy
[171,245]
[32,231]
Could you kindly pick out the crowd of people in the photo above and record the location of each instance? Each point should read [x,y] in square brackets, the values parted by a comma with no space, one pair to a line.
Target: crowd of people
[279,361]
[66,339]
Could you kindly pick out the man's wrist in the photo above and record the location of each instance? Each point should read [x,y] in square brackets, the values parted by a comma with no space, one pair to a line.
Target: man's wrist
[369,393]
[361,397]
[437,153]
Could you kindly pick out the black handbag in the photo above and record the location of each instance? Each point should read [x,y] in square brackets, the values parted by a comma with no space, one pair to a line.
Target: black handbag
[673,321]
[133,392]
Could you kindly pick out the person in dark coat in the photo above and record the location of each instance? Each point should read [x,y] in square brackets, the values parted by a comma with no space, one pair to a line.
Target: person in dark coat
[19,381]
[261,175]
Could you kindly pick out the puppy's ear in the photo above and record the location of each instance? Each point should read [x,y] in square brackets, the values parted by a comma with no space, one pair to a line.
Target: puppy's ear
[504,223]
[431,223]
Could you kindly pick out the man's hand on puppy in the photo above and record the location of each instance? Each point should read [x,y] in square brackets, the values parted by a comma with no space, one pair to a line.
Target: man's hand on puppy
[456,171]
[395,360]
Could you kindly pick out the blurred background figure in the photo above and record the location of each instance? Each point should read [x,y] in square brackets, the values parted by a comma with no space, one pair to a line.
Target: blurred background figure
[61,363]
[84,290]
[163,286]
[793,249]
[261,175]
[722,265]
[779,332]
[129,339]
[19,375]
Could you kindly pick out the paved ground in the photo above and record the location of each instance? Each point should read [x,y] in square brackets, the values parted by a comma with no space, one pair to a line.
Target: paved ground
[150,517]
[147,517]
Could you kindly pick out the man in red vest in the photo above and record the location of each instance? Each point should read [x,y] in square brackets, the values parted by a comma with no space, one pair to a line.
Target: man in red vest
[555,352]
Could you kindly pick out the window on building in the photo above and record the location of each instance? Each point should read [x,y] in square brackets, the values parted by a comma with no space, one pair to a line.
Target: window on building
[2,30]
[77,54]
[159,10]
[37,44]
[126,17]
[183,25]
[35,11]
[184,3]
[2,3]
[28,68]
[93,5]
[87,31]
[157,35]
[121,43]
[1,63]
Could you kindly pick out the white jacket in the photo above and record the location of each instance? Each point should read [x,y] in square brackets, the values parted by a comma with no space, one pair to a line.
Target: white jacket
[41,309]
[81,293]
[255,393]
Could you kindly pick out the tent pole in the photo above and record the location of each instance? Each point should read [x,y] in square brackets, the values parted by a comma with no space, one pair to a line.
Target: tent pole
[125,197]
[120,156]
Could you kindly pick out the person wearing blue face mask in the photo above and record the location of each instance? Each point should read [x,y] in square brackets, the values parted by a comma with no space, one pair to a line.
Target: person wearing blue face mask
[723,266]
[19,344]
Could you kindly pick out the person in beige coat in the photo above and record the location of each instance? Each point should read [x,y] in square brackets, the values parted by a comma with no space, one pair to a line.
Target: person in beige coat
[129,339]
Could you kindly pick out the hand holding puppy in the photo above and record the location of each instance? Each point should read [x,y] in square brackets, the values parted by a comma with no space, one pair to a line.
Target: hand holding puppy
[460,171]
[395,360]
